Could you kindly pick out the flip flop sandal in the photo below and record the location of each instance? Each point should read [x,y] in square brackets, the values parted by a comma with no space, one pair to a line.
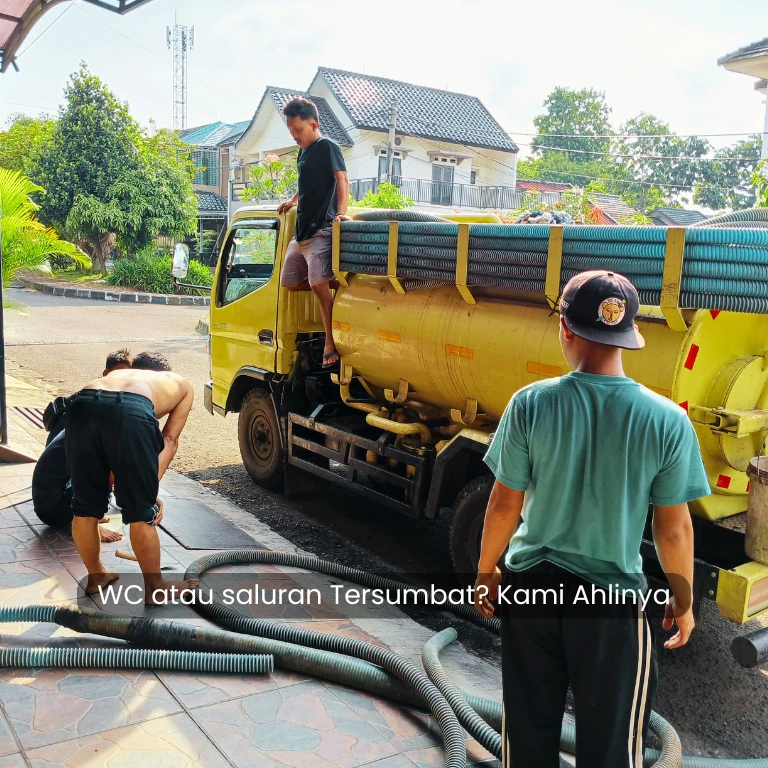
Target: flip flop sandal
[326,364]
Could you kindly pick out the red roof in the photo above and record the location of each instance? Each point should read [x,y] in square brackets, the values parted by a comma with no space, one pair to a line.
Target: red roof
[541,186]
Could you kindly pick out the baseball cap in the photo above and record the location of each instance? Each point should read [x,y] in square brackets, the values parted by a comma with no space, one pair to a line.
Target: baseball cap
[600,306]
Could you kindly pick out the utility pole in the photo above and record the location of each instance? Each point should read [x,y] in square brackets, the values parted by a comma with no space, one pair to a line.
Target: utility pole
[391,143]
[180,40]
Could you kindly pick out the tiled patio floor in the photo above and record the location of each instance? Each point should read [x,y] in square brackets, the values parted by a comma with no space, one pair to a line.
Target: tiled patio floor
[142,719]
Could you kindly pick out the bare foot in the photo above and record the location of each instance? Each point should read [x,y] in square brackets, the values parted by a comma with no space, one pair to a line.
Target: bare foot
[104,519]
[164,592]
[110,535]
[96,580]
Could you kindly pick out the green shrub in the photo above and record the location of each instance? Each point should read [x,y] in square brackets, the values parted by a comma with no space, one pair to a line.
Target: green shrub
[150,271]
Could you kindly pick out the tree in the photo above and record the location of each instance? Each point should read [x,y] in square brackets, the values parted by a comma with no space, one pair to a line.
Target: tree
[94,144]
[271,180]
[571,118]
[388,196]
[24,140]
[154,198]
[27,244]
[646,140]
[730,183]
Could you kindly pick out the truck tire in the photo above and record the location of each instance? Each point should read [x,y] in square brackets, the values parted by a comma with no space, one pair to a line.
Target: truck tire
[258,433]
[468,513]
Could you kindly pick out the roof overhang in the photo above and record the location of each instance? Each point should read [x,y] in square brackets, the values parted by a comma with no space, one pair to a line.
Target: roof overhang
[756,66]
[17,17]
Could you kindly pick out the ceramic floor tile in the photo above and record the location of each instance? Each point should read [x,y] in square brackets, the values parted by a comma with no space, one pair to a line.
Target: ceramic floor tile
[26,510]
[46,706]
[203,689]
[170,742]
[10,518]
[36,581]
[8,745]
[12,761]
[305,726]
[21,544]
[11,497]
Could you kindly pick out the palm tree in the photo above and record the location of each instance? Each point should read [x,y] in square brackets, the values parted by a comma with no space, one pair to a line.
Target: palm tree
[26,243]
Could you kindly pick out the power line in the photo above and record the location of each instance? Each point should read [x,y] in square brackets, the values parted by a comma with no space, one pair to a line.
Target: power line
[605,154]
[34,40]
[143,47]
[647,157]
[502,132]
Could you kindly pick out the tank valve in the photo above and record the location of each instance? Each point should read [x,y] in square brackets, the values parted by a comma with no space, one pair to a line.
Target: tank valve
[756,540]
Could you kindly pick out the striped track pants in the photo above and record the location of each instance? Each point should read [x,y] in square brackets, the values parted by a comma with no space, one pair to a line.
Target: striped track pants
[605,653]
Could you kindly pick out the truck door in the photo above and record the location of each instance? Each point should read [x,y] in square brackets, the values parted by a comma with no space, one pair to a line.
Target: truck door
[244,315]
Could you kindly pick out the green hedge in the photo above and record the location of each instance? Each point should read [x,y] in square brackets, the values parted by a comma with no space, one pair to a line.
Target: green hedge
[151,272]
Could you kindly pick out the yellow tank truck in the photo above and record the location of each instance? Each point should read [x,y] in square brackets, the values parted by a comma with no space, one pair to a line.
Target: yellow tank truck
[425,375]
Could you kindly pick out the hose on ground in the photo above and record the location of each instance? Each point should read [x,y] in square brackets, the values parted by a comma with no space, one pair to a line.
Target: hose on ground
[138,658]
[453,735]
[467,716]
[281,638]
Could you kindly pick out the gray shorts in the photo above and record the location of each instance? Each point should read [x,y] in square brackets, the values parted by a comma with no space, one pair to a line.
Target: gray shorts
[309,259]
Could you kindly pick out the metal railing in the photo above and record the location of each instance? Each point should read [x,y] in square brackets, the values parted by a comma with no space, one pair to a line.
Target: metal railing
[426,191]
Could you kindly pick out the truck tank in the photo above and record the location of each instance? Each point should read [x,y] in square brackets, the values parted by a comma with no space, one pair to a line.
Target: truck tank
[451,352]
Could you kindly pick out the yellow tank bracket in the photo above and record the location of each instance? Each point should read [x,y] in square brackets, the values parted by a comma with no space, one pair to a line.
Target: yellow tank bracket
[392,258]
[469,416]
[554,265]
[671,279]
[402,393]
[462,264]
[336,254]
[742,593]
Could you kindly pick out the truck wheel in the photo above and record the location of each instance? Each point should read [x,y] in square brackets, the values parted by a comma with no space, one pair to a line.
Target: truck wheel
[468,513]
[258,432]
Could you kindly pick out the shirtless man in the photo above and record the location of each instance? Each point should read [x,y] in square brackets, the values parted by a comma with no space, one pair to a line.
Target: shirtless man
[112,426]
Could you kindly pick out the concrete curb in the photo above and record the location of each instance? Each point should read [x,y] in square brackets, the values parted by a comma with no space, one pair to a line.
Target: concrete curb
[202,326]
[56,289]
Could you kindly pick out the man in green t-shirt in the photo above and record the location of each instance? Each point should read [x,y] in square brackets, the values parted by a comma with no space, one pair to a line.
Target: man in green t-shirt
[577,461]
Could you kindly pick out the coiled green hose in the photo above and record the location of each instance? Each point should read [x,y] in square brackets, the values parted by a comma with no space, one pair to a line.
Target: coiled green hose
[467,716]
[137,658]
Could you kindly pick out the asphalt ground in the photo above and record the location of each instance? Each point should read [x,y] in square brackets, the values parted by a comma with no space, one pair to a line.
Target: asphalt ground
[717,707]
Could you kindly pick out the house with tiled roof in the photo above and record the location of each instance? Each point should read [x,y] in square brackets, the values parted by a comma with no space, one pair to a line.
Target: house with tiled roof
[210,150]
[676,217]
[611,209]
[752,60]
[449,150]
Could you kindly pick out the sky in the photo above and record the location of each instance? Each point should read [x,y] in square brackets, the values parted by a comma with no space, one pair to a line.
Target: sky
[659,56]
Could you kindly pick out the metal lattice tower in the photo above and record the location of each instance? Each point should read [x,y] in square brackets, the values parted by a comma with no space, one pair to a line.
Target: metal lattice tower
[180,40]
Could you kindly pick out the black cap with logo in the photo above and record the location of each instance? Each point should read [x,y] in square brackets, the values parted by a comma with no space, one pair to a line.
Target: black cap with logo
[601,306]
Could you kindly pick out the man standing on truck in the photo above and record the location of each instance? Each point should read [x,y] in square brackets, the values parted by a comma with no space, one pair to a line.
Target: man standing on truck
[322,198]
[112,428]
[581,457]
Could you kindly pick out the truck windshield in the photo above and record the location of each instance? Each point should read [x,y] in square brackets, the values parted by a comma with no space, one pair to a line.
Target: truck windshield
[249,259]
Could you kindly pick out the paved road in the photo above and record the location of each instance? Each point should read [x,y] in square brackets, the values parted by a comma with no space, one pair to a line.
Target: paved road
[718,708]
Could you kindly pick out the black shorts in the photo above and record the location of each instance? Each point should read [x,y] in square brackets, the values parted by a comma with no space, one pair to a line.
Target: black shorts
[113,432]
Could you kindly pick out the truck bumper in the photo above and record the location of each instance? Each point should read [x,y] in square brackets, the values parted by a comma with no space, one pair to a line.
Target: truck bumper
[208,397]
[742,592]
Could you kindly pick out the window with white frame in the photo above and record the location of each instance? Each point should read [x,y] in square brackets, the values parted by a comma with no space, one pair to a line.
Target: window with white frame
[397,166]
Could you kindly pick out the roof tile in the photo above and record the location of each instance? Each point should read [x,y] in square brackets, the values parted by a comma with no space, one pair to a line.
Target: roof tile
[422,111]
[329,125]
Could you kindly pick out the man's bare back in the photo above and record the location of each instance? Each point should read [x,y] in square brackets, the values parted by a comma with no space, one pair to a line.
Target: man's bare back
[165,389]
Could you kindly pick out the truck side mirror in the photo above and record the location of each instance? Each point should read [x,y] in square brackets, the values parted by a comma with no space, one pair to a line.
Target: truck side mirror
[180,265]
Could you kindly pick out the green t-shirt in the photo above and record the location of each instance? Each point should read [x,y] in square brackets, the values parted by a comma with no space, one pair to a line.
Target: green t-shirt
[591,452]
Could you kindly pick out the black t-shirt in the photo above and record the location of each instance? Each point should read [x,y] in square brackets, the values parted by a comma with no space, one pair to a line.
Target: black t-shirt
[317,185]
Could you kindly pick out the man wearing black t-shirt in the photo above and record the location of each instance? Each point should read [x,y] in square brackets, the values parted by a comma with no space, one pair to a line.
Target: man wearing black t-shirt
[321,199]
